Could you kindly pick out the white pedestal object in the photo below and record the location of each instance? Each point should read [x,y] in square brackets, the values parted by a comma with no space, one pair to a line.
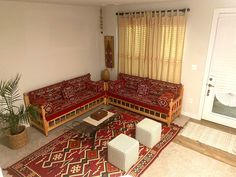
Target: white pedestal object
[148,132]
[123,152]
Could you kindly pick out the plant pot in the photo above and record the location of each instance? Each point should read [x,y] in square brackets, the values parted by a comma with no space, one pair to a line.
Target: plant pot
[19,140]
[105,75]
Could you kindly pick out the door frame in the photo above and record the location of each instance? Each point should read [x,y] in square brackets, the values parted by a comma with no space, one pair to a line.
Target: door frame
[217,12]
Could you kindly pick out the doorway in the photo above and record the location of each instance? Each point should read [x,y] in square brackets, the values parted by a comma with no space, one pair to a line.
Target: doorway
[220,96]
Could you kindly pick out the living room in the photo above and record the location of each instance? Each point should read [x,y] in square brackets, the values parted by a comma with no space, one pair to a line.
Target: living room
[51,41]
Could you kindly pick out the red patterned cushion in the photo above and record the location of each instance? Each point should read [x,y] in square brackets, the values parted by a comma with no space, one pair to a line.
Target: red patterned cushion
[115,86]
[79,83]
[49,93]
[142,89]
[131,82]
[38,102]
[154,87]
[48,108]
[165,98]
[157,87]
[68,91]
[100,86]
[95,86]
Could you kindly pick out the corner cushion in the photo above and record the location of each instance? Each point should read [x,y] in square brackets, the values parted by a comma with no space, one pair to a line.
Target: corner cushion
[95,86]
[116,85]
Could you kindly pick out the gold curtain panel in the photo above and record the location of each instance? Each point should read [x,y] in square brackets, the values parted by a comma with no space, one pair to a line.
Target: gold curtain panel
[151,44]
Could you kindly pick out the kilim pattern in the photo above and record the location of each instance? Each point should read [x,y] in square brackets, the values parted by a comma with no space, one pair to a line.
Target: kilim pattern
[73,155]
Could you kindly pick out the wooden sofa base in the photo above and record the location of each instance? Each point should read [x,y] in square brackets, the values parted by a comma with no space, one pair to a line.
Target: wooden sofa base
[45,126]
[175,109]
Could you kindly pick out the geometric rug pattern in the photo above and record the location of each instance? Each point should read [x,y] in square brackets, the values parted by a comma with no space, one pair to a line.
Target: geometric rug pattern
[72,155]
[210,136]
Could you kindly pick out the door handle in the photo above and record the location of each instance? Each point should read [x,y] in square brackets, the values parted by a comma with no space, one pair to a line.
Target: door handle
[209,85]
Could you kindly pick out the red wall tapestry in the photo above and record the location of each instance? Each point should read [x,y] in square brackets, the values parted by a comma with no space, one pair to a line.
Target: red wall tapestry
[109,51]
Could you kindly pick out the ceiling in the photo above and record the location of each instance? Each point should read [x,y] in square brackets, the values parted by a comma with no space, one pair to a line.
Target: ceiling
[94,2]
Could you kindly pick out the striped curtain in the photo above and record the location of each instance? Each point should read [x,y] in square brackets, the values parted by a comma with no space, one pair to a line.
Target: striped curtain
[151,44]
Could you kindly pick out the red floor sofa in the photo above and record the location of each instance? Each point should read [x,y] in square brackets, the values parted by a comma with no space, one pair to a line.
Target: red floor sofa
[64,101]
[153,98]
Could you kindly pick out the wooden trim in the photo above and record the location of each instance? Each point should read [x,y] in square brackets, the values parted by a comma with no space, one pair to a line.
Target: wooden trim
[45,122]
[206,150]
[72,117]
[26,99]
[41,123]
[140,110]
[105,86]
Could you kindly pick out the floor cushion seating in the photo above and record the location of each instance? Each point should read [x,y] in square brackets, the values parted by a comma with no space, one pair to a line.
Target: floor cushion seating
[153,98]
[148,132]
[123,152]
[64,101]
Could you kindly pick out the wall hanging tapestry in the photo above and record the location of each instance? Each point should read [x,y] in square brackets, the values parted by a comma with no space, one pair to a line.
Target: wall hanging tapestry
[109,51]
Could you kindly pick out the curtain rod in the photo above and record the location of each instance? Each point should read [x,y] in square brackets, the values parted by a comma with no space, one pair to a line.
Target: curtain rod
[154,11]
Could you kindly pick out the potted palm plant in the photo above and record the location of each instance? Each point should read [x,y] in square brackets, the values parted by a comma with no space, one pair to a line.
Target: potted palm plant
[13,114]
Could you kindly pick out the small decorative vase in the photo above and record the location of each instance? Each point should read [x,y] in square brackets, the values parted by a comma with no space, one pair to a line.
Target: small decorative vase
[105,75]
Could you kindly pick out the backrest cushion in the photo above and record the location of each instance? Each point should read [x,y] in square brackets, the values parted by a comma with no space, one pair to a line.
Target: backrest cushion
[115,86]
[142,89]
[49,93]
[154,87]
[68,91]
[131,82]
[79,83]
[157,87]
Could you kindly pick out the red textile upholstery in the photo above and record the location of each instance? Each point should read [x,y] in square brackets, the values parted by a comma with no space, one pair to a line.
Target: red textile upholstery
[157,87]
[60,98]
[115,86]
[149,93]
[95,86]
[79,83]
[68,91]
[63,106]
[49,94]
[142,89]
[165,98]
[131,82]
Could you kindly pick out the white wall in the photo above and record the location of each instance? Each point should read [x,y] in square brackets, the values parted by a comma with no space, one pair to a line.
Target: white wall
[196,43]
[109,26]
[47,43]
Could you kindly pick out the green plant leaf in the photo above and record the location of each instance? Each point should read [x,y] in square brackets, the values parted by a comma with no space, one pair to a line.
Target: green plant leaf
[12,115]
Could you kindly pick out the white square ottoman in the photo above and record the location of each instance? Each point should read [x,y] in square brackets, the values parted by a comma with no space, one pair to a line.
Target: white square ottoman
[148,132]
[123,152]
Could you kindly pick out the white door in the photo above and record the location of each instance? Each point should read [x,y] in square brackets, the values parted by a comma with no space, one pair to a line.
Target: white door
[220,96]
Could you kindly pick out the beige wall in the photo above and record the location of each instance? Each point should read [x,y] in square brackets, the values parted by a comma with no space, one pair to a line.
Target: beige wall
[196,43]
[47,43]
[109,26]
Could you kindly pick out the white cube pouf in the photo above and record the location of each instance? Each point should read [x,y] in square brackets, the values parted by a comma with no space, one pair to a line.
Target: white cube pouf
[123,152]
[148,132]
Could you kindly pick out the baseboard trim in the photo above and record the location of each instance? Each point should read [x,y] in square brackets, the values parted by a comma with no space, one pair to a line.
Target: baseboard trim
[194,116]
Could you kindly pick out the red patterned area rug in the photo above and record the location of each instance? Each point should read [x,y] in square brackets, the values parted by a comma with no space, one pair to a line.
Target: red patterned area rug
[73,155]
